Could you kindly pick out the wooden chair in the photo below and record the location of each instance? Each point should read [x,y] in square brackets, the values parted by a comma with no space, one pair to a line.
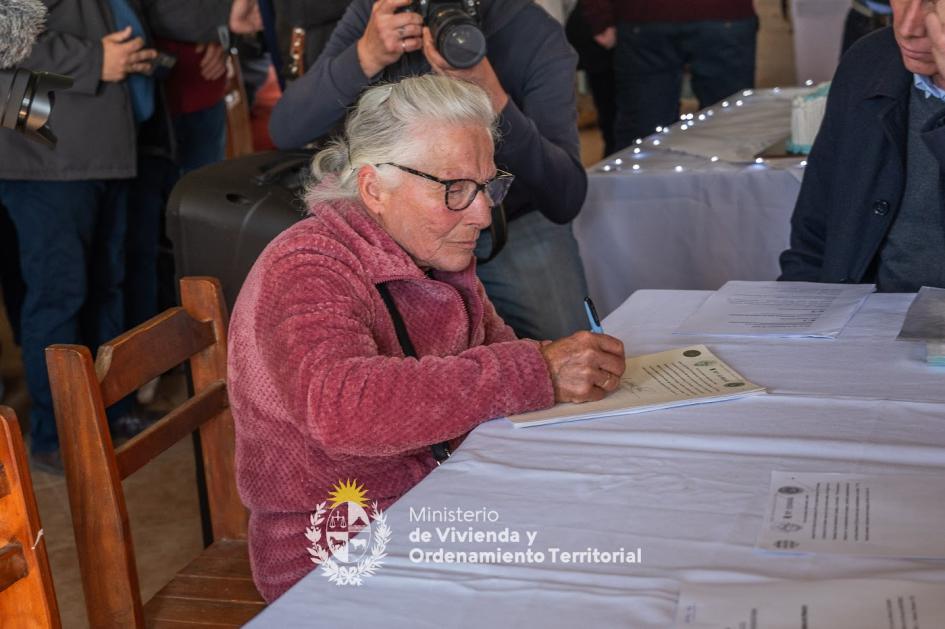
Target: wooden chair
[27,597]
[216,588]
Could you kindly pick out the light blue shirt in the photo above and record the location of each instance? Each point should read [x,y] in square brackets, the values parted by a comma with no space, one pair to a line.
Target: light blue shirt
[925,84]
[877,7]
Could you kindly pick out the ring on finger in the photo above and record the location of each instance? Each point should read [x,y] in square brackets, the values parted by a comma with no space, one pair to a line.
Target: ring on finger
[401,31]
[403,44]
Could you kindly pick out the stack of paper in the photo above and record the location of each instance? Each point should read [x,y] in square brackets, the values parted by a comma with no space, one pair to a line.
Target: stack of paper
[855,514]
[925,321]
[691,375]
[777,309]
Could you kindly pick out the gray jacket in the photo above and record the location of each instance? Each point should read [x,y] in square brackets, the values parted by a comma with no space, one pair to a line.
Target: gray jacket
[93,121]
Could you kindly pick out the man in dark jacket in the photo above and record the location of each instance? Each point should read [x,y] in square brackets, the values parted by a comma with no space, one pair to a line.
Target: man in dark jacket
[653,41]
[537,281]
[69,204]
[872,205]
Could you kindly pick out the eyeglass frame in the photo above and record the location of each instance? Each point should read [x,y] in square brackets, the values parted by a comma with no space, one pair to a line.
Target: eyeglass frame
[480,187]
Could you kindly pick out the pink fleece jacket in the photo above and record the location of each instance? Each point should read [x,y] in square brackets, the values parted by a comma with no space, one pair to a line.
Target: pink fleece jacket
[321,391]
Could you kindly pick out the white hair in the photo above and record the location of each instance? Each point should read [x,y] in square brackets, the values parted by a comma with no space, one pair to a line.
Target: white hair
[388,124]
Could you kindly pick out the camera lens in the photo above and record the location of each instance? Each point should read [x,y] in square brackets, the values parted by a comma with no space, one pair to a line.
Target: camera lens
[457,37]
[29,101]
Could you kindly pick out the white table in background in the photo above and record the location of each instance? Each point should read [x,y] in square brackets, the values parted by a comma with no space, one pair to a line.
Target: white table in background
[686,485]
[664,215]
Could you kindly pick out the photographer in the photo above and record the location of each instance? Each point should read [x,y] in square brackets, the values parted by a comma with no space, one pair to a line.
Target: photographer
[537,281]
[70,205]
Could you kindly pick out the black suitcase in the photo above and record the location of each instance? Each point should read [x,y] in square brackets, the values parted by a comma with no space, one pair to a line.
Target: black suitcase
[222,216]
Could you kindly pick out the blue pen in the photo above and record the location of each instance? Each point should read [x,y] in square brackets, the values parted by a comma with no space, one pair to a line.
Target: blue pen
[592,317]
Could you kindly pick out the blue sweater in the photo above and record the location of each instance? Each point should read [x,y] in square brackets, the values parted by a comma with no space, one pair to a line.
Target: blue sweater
[538,128]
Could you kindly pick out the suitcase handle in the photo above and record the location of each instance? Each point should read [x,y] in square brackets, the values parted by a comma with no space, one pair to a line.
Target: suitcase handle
[283,163]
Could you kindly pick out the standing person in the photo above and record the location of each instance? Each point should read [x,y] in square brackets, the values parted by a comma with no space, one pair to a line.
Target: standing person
[865,16]
[69,205]
[536,282]
[653,42]
[598,65]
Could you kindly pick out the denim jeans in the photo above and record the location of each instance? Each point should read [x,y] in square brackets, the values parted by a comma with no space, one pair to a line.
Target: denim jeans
[71,237]
[648,64]
[536,283]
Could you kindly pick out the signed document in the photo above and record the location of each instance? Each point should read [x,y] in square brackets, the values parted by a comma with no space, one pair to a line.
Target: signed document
[777,309]
[852,514]
[826,604]
[690,375]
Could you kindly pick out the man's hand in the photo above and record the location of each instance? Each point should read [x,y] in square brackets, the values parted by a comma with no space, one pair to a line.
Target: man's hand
[935,28]
[388,36]
[213,61]
[584,367]
[245,18]
[122,55]
[607,38]
[481,74]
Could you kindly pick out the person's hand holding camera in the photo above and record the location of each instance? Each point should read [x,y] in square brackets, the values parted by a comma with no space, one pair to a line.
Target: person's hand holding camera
[388,35]
[481,74]
[122,55]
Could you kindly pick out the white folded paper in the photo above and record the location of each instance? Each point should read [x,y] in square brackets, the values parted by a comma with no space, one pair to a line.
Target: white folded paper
[827,604]
[678,377]
[852,514]
[777,309]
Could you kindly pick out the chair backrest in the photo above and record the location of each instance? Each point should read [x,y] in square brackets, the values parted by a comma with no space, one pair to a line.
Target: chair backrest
[27,597]
[94,468]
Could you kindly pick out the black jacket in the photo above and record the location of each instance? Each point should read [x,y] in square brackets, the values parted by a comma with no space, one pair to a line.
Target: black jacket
[93,120]
[856,172]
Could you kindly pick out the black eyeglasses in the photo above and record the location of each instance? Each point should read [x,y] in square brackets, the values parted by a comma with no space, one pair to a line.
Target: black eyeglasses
[460,193]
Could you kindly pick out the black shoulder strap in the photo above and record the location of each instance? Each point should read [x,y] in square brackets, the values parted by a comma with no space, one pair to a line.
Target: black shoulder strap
[440,451]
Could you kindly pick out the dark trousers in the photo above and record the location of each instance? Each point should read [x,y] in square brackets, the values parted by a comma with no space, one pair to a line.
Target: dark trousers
[71,238]
[649,61]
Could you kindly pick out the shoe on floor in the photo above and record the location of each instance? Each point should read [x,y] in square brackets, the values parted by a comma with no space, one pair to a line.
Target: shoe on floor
[48,462]
[128,426]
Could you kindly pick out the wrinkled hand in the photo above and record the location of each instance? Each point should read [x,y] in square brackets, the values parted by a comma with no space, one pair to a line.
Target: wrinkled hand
[607,38]
[122,55]
[481,74]
[935,28]
[245,18]
[584,367]
[388,35]
[213,61]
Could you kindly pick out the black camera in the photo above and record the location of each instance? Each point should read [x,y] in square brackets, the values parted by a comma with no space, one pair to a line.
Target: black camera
[26,102]
[455,26]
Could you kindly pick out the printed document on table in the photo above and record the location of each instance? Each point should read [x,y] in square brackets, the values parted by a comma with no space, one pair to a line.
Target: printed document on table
[678,377]
[827,604]
[777,309]
[853,514]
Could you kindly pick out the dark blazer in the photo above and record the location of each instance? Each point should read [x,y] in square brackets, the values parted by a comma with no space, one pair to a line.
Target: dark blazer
[93,120]
[856,173]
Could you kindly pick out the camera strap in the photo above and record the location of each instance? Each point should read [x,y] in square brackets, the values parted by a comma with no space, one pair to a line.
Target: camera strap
[440,451]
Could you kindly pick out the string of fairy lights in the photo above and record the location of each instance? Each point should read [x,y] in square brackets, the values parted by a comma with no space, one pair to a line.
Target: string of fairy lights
[633,159]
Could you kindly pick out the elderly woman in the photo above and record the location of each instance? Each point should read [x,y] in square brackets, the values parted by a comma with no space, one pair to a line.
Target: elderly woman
[362,341]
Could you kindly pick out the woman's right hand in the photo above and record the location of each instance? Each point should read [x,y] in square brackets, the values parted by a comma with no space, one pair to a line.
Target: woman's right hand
[584,367]
[388,35]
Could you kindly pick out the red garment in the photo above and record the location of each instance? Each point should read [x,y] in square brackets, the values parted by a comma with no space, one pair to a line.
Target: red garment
[187,91]
[601,14]
[320,389]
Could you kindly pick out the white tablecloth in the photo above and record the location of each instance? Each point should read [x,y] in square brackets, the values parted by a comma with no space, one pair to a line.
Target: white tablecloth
[671,219]
[685,485]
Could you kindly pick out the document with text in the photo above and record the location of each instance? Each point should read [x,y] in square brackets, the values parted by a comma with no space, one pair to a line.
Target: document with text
[826,604]
[806,309]
[678,377]
[850,514]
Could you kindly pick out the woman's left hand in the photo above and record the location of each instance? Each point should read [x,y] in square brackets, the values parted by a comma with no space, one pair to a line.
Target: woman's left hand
[481,74]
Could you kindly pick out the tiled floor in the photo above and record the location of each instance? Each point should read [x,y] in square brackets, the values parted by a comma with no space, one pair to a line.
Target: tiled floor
[162,499]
